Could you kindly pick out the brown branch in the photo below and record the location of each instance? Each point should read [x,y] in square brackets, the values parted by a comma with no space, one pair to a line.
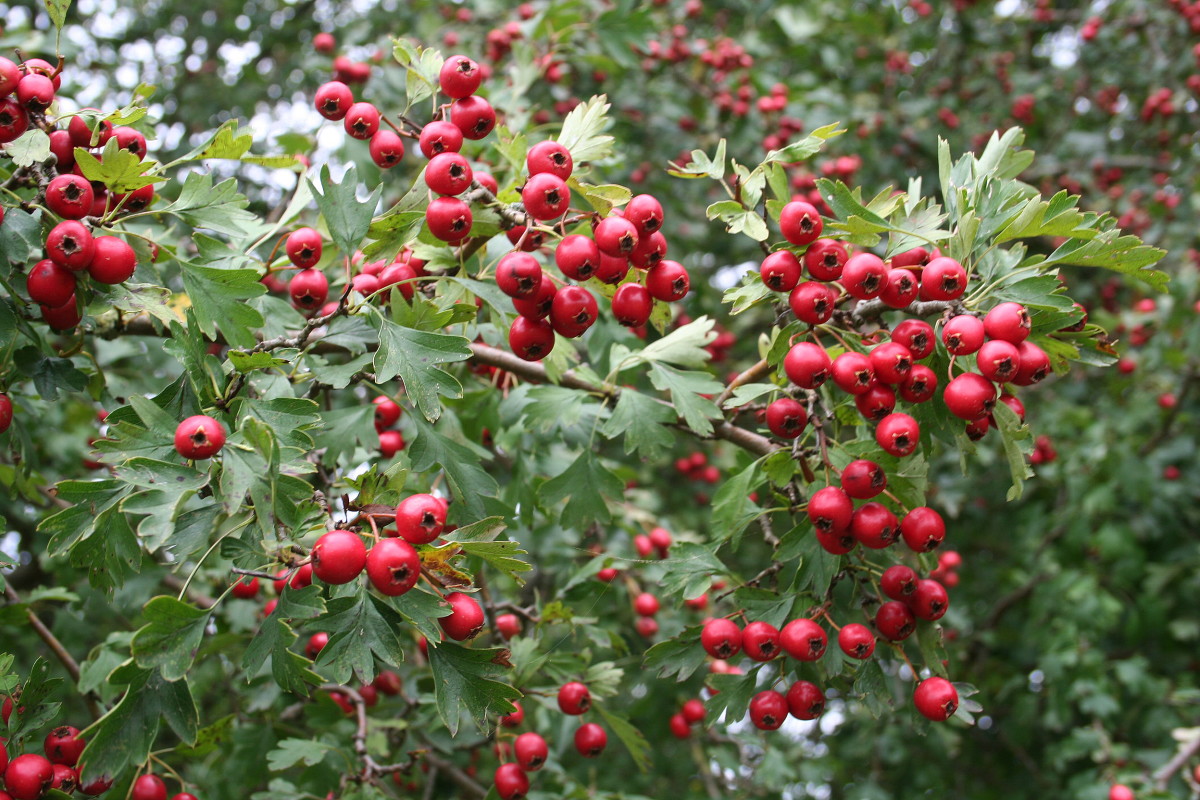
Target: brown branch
[56,647]
[748,376]
[1162,776]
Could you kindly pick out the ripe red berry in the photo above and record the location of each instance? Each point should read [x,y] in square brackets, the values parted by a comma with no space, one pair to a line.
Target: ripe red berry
[616,236]
[830,510]
[577,256]
[876,403]
[768,710]
[94,786]
[590,740]
[460,76]
[646,213]
[28,776]
[511,782]
[660,540]
[449,174]
[509,625]
[943,279]
[668,281]
[35,92]
[70,196]
[693,711]
[466,617]
[646,604]
[574,698]
[864,276]
[921,384]
[449,219]
[863,479]
[387,412]
[679,726]
[930,601]
[308,288]
[895,621]
[898,582]
[781,271]
[333,100]
[807,365]
[803,639]
[13,120]
[420,518]
[50,283]
[518,274]
[65,779]
[853,372]
[721,638]
[245,589]
[874,525]
[923,529]
[936,698]
[199,437]
[813,302]
[805,700]
[892,362]
[800,223]
[549,156]
[646,627]
[386,148]
[916,335]
[760,640]
[339,557]
[573,311]
[825,259]
[388,682]
[148,787]
[1119,791]
[316,643]
[998,360]
[898,434]
[900,289]
[540,304]
[531,339]
[303,247]
[632,305]
[531,751]
[63,746]
[361,121]
[440,136]
[390,443]
[393,567]
[1009,322]
[515,718]
[474,116]
[786,418]
[970,396]
[963,335]
[1035,364]
[70,245]
[113,260]
[10,76]
[856,641]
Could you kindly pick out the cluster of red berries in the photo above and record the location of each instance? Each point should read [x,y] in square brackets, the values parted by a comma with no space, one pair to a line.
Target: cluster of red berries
[30,775]
[529,750]
[691,713]
[387,414]
[27,91]
[386,682]
[696,468]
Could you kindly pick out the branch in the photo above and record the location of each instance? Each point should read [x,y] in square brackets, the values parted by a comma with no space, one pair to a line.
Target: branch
[874,309]
[47,636]
[1162,775]
[471,788]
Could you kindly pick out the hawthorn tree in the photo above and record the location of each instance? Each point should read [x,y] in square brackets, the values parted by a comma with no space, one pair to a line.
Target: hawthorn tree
[597,400]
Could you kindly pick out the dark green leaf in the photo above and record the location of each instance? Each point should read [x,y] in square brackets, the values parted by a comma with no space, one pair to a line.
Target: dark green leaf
[169,639]
[466,681]
[584,485]
[348,217]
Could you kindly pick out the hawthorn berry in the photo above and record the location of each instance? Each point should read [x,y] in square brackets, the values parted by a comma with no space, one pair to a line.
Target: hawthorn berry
[721,638]
[800,223]
[65,779]
[781,271]
[531,339]
[612,269]
[892,362]
[245,589]
[1035,364]
[874,526]
[199,437]
[35,92]
[361,120]
[574,698]
[474,116]
[549,156]
[768,710]
[339,557]
[70,196]
[515,717]
[511,782]
[308,288]
[863,479]
[923,529]
[333,100]
[853,372]
[693,711]
[805,700]
[998,360]
[668,281]
[900,288]
[812,302]
[930,601]
[830,509]
[970,396]
[651,249]
[1009,322]
[148,787]
[509,625]
[917,336]
[760,640]
[316,643]
[13,120]
[898,581]
[936,699]
[864,276]
[466,617]
[876,402]
[825,259]
[540,304]
[113,260]
[898,434]
[390,443]
[573,311]
[387,412]
[895,621]
[645,212]
[531,751]
[803,639]
[63,746]
[448,174]
[420,518]
[577,256]
[50,283]
[807,365]
[921,384]
[518,274]
[632,305]
[386,149]
[786,418]
[393,567]
[440,136]
[303,247]
[963,335]
[856,641]
[679,726]
[460,77]
[943,279]
[28,776]
[449,219]
[388,682]
[646,627]
[70,244]
[616,236]
[1119,791]
[590,740]
[646,604]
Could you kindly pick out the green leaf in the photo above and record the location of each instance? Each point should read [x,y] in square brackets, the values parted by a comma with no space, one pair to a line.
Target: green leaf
[501,556]
[485,530]
[739,219]
[20,238]
[732,508]
[1018,445]
[680,656]
[584,485]
[702,166]
[119,169]
[169,639]
[640,419]
[690,570]
[124,736]
[466,681]
[348,218]
[361,627]
[683,347]
[218,298]
[805,148]
[208,739]
[733,694]
[344,428]
[750,292]
[415,356]
[581,131]
[31,147]
[35,709]
[136,298]
[1110,250]
[817,566]
[290,752]
[50,375]
[469,481]
[871,687]
[219,208]
[227,143]
[289,669]
[422,611]
[603,198]
[57,9]
[686,389]
[629,736]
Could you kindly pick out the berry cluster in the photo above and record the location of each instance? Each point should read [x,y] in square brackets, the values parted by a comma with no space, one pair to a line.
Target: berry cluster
[30,775]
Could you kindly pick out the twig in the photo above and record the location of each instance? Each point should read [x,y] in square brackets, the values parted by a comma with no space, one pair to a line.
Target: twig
[749,376]
[47,636]
[465,782]
[1162,776]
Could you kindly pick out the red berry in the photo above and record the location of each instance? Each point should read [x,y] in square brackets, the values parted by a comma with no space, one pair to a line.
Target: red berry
[390,443]
[531,751]
[943,279]
[803,640]
[474,116]
[693,711]
[199,437]
[1119,791]
[420,518]
[1035,364]
[646,627]
[668,281]
[930,601]
[515,718]
[923,529]
[148,787]
[800,223]
[531,339]
[781,271]
[460,76]
[70,196]
[28,776]
[449,219]
[805,700]
[1009,322]
[10,76]
[13,120]
[393,567]
[509,625]
[540,304]
[916,335]
[63,149]
[876,402]
[113,260]
[316,643]
[616,236]
[574,698]
[898,434]
[813,302]
[898,582]
[64,317]
[361,121]
[50,284]
[302,577]
[863,479]
[333,100]
[679,726]
[245,589]
[874,525]
[768,710]
[830,510]
[387,412]
[339,557]
[970,396]
[573,311]
[440,136]
[388,682]
[892,362]
[963,335]
[786,418]
[466,617]
[70,244]
[35,92]
[998,360]
[131,140]
[856,641]
[63,746]
[921,384]
[511,782]
[386,148]
[549,156]
[936,698]
[825,259]
[448,174]
[303,247]
[894,621]
[577,256]
[721,638]
[760,640]
[900,289]
[590,740]
[646,604]
[646,213]
[853,372]
[807,365]
[864,276]
[65,778]
[517,274]
[632,305]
